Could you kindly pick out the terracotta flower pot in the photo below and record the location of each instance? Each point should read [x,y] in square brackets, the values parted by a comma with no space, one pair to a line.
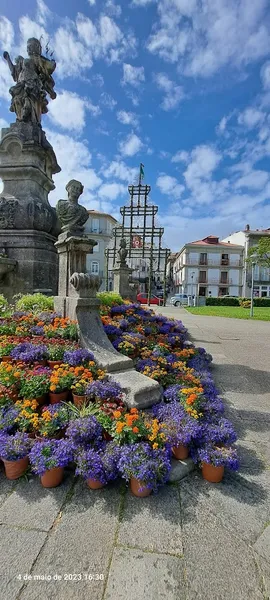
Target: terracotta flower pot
[59,397]
[54,363]
[16,468]
[79,401]
[93,484]
[211,473]
[41,399]
[7,359]
[53,477]
[138,488]
[180,452]
[13,396]
[107,436]
[40,363]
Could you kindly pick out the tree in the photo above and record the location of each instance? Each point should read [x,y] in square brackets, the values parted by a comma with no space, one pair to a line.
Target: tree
[261,251]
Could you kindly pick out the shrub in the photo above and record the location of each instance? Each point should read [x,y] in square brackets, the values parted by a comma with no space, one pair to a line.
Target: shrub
[34,302]
[109,298]
[3,304]
[245,303]
[222,301]
[262,302]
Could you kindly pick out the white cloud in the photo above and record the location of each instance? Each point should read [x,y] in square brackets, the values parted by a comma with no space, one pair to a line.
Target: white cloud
[133,75]
[180,156]
[251,117]
[127,118]
[222,125]
[29,28]
[75,159]
[6,80]
[254,180]
[6,34]
[119,170]
[142,2]
[114,10]
[71,54]
[265,75]
[111,191]
[68,110]
[173,93]
[108,101]
[131,145]
[3,123]
[105,39]
[92,2]
[43,12]
[169,185]
[203,37]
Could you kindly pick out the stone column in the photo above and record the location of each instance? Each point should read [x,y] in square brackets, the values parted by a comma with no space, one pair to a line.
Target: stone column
[121,282]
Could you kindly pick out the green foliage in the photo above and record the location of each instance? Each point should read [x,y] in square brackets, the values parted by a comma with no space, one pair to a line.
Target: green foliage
[245,303]
[110,298]
[34,302]
[3,304]
[262,252]
[222,301]
[261,301]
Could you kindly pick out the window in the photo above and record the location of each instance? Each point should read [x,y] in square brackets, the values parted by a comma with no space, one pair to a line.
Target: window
[94,267]
[223,291]
[265,274]
[223,277]
[225,259]
[203,258]
[95,225]
[202,291]
[202,277]
[96,248]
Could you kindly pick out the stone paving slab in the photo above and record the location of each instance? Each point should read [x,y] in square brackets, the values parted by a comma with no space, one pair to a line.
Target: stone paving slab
[180,469]
[81,543]
[19,549]
[153,523]
[137,575]
[219,566]
[32,506]
[262,545]
[6,487]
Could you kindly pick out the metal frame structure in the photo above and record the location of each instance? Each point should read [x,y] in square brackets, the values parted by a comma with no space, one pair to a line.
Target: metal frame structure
[138,209]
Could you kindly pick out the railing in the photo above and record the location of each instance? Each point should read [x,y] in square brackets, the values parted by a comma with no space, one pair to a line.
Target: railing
[212,263]
[209,281]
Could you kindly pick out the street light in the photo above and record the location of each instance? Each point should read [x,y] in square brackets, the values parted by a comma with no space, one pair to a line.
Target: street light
[192,275]
[253,263]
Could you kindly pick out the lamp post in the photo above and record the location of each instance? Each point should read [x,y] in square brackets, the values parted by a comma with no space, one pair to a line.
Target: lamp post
[192,275]
[253,257]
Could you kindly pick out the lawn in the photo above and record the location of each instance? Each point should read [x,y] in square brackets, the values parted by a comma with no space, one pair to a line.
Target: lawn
[232,312]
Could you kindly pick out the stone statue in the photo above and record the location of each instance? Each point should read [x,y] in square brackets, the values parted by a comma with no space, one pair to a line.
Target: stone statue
[72,215]
[33,77]
[122,253]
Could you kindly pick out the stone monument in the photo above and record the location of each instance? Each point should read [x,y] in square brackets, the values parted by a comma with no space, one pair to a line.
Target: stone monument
[28,224]
[122,275]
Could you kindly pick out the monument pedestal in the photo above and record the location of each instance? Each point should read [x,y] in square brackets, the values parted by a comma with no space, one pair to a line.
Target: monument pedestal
[28,224]
[121,283]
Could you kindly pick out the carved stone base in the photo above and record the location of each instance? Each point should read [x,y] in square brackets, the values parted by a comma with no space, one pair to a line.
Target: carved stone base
[121,283]
[36,262]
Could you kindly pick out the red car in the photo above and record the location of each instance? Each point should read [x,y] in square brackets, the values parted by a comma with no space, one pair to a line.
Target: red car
[143,299]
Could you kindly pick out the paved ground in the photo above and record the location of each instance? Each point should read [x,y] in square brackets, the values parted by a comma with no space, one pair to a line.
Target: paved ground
[192,540]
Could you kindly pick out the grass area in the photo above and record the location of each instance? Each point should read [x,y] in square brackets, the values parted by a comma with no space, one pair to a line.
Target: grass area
[232,312]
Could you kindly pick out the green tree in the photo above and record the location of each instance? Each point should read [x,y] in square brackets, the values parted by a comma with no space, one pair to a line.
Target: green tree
[261,251]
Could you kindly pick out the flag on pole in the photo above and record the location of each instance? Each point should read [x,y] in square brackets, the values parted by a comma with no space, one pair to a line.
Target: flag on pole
[141,171]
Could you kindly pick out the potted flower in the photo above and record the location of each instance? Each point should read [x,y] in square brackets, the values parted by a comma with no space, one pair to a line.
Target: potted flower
[78,357]
[55,355]
[48,459]
[178,427]
[84,431]
[30,353]
[146,468]
[14,454]
[5,350]
[8,417]
[27,416]
[53,420]
[61,381]
[10,376]
[35,387]
[98,467]
[214,459]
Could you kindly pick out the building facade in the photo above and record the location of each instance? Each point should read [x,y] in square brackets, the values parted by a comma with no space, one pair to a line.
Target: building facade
[249,238]
[100,226]
[209,267]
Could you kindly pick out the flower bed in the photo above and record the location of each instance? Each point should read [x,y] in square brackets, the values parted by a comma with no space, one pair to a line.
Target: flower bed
[53,392]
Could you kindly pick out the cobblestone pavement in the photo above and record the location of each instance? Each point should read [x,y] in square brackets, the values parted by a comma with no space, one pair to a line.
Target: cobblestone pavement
[192,540]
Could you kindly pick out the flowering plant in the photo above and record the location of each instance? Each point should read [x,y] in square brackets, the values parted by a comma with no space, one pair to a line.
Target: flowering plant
[61,379]
[10,375]
[34,386]
[14,447]
[53,418]
[27,352]
[131,426]
[105,390]
[219,456]
[6,348]
[101,465]
[84,432]
[48,454]
[56,351]
[81,356]
[151,467]
[220,433]
[27,418]
[82,377]
[8,415]
[178,427]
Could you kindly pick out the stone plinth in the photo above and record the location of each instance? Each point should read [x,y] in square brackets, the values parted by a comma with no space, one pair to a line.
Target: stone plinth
[121,282]
[28,224]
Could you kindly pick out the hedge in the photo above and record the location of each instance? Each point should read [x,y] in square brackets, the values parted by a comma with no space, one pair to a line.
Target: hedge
[222,301]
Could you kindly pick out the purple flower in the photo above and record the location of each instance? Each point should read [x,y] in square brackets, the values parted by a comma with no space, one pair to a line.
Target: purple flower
[8,416]
[84,432]
[177,425]
[151,467]
[49,454]
[14,447]
[101,465]
[78,357]
[218,457]
[104,390]
[28,352]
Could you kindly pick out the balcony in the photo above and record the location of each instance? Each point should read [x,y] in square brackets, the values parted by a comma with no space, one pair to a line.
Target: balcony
[212,281]
[213,263]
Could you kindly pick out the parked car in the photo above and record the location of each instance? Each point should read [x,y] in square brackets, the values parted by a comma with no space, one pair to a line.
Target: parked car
[142,298]
[159,294]
[179,299]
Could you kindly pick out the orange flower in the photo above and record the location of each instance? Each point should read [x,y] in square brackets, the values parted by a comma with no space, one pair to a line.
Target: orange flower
[133,411]
[135,430]
[119,427]
[117,414]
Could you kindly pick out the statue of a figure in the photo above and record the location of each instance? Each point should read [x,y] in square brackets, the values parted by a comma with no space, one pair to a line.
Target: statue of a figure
[122,253]
[33,77]
[72,215]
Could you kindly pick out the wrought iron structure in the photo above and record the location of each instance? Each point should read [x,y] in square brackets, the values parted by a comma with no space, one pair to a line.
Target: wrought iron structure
[143,236]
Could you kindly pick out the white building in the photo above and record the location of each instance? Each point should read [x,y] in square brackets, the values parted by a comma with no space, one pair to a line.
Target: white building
[248,238]
[100,226]
[209,267]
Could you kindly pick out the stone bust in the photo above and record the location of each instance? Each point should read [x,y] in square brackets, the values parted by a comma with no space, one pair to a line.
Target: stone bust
[72,215]
[122,253]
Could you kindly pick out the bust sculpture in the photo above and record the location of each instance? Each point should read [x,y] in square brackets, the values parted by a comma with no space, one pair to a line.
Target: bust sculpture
[33,77]
[122,253]
[72,215]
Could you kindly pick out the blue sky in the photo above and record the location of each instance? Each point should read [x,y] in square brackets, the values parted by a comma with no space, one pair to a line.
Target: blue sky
[180,85]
